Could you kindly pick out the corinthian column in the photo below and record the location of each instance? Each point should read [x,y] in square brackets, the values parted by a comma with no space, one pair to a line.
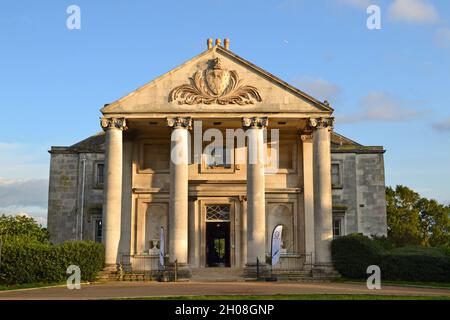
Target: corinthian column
[112,201]
[256,213]
[178,203]
[323,232]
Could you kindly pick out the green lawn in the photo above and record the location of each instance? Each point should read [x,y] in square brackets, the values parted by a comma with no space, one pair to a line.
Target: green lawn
[29,285]
[437,285]
[300,297]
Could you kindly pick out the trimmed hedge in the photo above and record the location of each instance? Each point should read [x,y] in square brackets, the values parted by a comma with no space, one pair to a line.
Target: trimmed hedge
[413,264]
[25,261]
[352,255]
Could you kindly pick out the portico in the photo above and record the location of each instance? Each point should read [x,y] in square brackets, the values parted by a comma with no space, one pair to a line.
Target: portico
[240,190]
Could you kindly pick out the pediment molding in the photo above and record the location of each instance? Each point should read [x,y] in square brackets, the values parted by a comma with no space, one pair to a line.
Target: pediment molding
[215,85]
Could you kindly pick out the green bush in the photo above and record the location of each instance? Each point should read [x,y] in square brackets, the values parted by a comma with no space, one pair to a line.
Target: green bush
[415,264]
[88,255]
[25,261]
[352,255]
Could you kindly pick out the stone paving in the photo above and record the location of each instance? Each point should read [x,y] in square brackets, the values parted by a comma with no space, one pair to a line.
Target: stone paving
[112,290]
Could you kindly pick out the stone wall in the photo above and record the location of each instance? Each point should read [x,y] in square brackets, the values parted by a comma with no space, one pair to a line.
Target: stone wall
[361,197]
[63,197]
[65,189]
[371,194]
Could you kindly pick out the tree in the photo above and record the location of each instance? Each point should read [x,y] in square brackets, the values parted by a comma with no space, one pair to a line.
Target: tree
[413,220]
[435,222]
[12,227]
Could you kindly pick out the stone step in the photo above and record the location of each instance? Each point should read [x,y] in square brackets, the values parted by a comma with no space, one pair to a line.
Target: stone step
[217,274]
[105,276]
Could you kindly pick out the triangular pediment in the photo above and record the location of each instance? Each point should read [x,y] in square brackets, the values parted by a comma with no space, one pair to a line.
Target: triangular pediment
[217,81]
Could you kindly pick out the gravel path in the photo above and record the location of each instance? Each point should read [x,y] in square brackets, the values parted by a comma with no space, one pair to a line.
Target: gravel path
[156,289]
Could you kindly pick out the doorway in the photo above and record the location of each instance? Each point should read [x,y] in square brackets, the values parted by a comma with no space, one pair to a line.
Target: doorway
[218,244]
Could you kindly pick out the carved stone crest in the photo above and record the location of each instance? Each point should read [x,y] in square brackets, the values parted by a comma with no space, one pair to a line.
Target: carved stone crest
[215,85]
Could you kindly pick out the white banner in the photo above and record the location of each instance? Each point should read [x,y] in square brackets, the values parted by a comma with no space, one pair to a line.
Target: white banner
[276,244]
[161,247]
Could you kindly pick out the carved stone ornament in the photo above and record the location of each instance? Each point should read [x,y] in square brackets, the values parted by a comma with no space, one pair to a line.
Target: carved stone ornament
[255,122]
[180,122]
[113,123]
[215,85]
[321,123]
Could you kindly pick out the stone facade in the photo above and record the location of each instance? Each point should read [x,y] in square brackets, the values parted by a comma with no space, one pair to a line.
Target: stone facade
[65,190]
[120,186]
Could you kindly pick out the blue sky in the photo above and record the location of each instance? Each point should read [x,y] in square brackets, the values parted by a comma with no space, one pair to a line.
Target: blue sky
[388,87]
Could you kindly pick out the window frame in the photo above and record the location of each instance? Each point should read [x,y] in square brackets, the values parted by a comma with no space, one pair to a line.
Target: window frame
[204,168]
[340,216]
[95,219]
[97,184]
[340,166]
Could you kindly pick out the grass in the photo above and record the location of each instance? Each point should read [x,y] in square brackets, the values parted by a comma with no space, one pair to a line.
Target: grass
[29,285]
[434,285]
[300,297]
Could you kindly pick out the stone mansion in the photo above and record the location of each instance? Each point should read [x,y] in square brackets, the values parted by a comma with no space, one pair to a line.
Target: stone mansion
[121,186]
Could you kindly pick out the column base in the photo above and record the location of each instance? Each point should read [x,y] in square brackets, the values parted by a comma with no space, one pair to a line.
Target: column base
[324,271]
[253,271]
[109,273]
[111,267]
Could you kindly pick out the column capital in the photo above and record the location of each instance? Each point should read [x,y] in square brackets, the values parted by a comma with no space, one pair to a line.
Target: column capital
[321,123]
[180,122]
[255,122]
[113,123]
[306,137]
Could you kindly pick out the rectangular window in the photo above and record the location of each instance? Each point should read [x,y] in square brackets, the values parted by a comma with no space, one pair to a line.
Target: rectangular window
[337,227]
[100,173]
[218,212]
[98,234]
[218,158]
[336,175]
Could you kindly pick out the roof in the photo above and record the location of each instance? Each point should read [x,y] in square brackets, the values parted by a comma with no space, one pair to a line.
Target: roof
[92,144]
[96,144]
[115,107]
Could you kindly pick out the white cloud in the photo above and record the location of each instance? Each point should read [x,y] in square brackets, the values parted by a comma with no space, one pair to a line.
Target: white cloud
[24,196]
[442,38]
[319,88]
[442,126]
[384,107]
[413,11]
